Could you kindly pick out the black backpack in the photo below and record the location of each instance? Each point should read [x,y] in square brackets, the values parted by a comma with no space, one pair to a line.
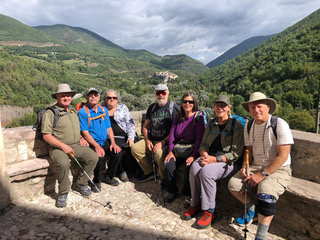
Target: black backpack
[37,126]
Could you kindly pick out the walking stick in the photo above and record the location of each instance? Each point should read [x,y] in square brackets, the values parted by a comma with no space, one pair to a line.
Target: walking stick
[246,160]
[108,204]
[156,177]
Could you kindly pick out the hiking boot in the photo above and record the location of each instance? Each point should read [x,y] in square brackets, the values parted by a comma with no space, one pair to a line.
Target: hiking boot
[83,189]
[170,197]
[124,177]
[251,216]
[145,177]
[110,181]
[62,200]
[205,220]
[93,189]
[190,212]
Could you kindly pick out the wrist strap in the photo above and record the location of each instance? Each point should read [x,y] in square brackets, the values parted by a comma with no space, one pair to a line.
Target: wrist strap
[219,158]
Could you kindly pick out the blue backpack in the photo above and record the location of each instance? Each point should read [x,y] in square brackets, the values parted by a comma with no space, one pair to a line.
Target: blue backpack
[243,120]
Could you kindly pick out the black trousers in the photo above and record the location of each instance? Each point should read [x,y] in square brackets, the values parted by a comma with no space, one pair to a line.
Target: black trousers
[170,173]
[115,163]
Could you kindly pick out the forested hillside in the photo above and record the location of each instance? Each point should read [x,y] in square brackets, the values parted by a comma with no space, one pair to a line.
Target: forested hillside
[286,67]
[40,58]
[238,50]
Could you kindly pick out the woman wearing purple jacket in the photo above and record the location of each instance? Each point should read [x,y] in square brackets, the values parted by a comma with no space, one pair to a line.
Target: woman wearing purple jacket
[185,129]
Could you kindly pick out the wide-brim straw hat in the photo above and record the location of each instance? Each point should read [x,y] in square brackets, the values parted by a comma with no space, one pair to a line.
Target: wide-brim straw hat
[258,96]
[63,88]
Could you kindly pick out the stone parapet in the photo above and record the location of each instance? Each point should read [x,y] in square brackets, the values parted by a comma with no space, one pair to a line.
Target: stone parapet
[305,156]
[4,182]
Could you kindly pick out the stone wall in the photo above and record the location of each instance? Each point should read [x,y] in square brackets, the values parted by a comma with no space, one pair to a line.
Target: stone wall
[4,183]
[305,154]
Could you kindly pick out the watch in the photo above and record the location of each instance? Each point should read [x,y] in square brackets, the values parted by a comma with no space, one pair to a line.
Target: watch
[264,173]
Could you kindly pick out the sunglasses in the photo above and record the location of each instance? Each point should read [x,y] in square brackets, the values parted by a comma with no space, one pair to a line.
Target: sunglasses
[93,94]
[163,93]
[115,98]
[188,101]
[220,105]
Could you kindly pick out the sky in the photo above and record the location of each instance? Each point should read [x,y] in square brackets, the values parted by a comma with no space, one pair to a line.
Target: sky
[201,29]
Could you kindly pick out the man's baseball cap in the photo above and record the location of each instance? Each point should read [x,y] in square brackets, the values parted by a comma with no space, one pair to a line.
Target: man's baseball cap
[161,87]
[92,90]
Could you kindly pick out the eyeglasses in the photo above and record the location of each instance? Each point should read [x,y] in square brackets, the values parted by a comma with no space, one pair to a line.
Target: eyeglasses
[220,105]
[188,101]
[109,98]
[163,93]
[93,94]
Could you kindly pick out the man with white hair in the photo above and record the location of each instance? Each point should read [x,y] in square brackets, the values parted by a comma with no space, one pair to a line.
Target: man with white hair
[268,139]
[156,131]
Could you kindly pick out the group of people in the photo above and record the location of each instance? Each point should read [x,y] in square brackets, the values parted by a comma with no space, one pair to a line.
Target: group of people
[175,135]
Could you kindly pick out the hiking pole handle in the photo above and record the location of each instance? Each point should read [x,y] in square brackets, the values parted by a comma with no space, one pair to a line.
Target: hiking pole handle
[246,160]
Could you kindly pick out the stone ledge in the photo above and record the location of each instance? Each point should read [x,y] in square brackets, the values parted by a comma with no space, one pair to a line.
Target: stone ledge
[305,189]
[30,168]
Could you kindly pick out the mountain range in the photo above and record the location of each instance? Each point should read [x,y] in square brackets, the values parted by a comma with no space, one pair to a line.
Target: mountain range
[285,66]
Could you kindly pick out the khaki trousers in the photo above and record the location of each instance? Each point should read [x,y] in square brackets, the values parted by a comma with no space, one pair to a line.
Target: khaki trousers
[86,157]
[143,156]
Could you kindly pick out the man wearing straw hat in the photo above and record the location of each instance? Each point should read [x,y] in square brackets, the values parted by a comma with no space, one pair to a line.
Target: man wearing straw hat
[64,140]
[269,172]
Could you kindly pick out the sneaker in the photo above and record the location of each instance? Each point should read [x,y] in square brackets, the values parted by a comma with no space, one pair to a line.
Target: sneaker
[83,189]
[124,177]
[93,188]
[206,220]
[170,197]
[146,177]
[62,200]
[190,212]
[110,181]
[251,215]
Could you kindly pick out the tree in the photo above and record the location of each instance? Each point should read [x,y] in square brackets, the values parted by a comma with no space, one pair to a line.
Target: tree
[302,121]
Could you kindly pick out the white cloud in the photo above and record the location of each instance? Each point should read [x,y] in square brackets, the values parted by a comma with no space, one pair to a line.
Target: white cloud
[201,29]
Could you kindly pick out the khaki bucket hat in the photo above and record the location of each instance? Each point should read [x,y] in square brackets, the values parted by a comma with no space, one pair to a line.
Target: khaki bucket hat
[63,88]
[258,96]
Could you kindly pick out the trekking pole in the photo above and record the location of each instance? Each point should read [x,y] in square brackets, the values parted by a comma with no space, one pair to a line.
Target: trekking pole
[156,177]
[108,204]
[246,160]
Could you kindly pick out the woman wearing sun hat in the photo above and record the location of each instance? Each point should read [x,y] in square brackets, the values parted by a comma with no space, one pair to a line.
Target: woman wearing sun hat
[269,172]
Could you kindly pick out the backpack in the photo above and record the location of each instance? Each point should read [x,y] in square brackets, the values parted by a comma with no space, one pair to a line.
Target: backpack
[273,121]
[205,114]
[83,105]
[37,126]
[241,119]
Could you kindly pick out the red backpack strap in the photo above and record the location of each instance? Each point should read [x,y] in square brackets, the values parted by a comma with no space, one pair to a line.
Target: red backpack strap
[79,106]
[88,113]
